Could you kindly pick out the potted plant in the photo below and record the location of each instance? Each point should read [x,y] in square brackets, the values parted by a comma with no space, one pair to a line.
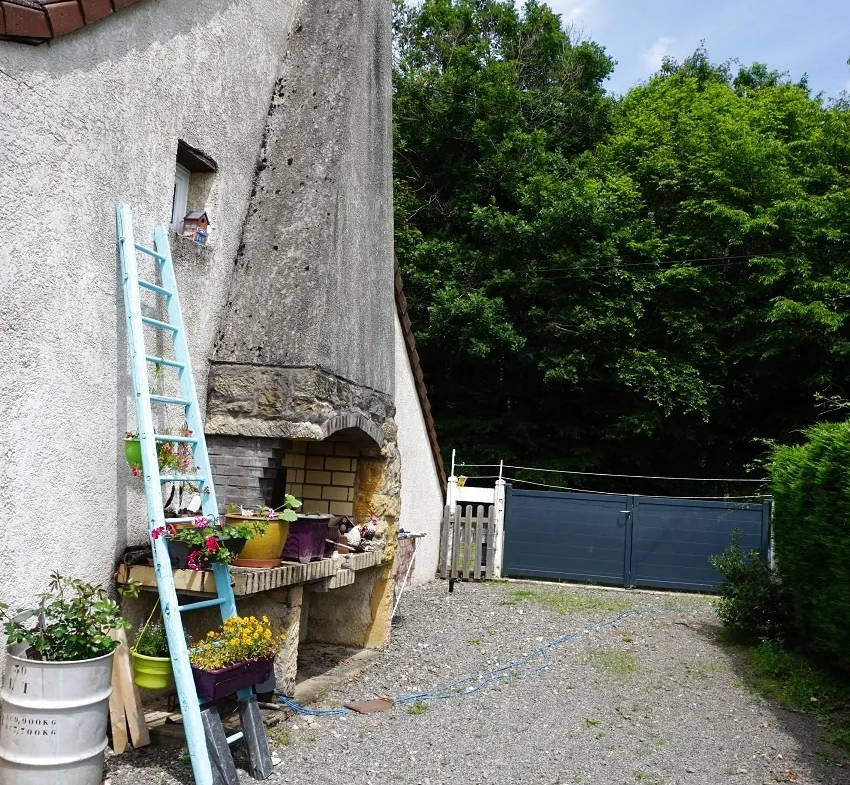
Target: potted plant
[204,541]
[240,653]
[173,457]
[58,679]
[307,537]
[151,658]
[265,549]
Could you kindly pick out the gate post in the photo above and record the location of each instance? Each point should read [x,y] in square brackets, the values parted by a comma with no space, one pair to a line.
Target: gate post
[499,527]
[632,512]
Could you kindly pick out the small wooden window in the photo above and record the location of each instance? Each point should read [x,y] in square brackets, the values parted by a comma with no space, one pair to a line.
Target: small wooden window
[181,197]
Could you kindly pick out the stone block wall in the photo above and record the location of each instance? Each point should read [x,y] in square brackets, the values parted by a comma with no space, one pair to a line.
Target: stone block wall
[323,475]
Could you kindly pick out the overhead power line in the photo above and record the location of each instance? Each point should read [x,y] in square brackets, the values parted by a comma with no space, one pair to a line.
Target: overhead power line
[637,476]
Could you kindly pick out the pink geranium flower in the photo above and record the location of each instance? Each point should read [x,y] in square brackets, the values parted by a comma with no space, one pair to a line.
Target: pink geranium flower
[211,544]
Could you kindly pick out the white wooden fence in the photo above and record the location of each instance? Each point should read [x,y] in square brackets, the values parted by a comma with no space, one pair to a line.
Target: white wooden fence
[472,534]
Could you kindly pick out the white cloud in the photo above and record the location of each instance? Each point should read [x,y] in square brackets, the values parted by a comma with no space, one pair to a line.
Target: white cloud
[654,56]
[576,13]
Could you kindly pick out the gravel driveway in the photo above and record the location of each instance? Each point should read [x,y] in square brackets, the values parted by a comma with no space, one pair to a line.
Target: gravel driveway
[649,699]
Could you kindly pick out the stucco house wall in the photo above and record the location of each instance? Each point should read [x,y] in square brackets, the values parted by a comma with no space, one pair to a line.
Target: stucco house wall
[291,309]
[421,491]
[88,120]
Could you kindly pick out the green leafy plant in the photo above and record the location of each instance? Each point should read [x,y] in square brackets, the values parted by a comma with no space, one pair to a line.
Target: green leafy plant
[812,534]
[71,622]
[208,539]
[753,604]
[285,512]
[152,641]
[173,457]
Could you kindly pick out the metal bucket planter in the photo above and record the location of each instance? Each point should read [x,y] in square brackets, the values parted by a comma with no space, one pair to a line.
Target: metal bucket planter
[152,673]
[218,684]
[265,547]
[306,540]
[54,721]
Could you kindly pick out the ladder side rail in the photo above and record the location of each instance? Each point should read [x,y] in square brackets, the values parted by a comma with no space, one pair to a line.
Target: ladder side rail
[221,572]
[187,384]
[189,707]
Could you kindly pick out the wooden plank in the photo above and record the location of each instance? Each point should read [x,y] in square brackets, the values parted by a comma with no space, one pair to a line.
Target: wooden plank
[455,543]
[117,718]
[467,544]
[445,537]
[130,697]
[477,540]
[254,733]
[491,544]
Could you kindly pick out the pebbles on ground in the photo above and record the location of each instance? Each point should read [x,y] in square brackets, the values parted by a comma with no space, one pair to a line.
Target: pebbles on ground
[649,698]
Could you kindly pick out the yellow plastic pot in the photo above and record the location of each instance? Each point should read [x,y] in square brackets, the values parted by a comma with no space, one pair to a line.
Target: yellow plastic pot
[263,547]
[152,673]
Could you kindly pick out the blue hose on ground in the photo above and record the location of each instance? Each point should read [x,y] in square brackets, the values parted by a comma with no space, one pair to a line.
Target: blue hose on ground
[525,666]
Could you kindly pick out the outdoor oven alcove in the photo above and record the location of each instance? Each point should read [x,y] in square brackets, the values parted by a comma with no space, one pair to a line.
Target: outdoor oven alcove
[352,470]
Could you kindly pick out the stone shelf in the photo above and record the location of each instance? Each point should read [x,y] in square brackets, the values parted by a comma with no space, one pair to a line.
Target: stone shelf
[248,581]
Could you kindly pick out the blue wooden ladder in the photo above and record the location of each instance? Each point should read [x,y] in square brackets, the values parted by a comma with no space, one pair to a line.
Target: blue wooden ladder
[212,762]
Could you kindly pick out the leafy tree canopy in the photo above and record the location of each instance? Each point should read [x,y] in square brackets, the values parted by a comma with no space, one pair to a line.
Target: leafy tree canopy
[648,285]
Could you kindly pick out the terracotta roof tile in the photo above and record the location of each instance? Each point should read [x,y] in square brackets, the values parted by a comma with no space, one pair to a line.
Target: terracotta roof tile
[36,21]
[421,391]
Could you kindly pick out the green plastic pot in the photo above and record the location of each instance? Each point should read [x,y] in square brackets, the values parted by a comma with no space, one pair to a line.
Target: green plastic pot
[133,452]
[152,673]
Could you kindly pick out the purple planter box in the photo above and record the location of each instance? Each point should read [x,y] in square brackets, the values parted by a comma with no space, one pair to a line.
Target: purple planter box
[218,684]
[306,540]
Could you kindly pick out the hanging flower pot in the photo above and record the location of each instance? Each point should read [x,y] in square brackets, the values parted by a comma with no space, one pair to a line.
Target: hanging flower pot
[133,451]
[150,655]
[152,673]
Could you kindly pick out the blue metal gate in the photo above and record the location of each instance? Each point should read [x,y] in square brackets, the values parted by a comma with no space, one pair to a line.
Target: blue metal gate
[625,540]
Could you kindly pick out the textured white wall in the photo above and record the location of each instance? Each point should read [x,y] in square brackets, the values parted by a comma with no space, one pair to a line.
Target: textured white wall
[89,120]
[421,494]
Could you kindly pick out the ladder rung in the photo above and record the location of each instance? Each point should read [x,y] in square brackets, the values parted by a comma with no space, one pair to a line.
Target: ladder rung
[196,606]
[166,399]
[158,324]
[149,252]
[162,361]
[154,288]
[182,520]
[165,437]
[196,478]
[234,737]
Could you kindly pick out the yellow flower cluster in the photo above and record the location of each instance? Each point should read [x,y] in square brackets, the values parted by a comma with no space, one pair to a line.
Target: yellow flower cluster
[239,639]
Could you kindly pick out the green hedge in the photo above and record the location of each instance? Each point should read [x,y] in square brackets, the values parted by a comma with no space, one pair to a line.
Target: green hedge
[811,488]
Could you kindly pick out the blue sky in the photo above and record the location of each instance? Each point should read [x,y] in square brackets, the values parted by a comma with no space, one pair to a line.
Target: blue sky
[800,37]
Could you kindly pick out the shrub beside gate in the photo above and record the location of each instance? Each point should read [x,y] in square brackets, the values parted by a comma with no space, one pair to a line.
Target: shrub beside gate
[811,489]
